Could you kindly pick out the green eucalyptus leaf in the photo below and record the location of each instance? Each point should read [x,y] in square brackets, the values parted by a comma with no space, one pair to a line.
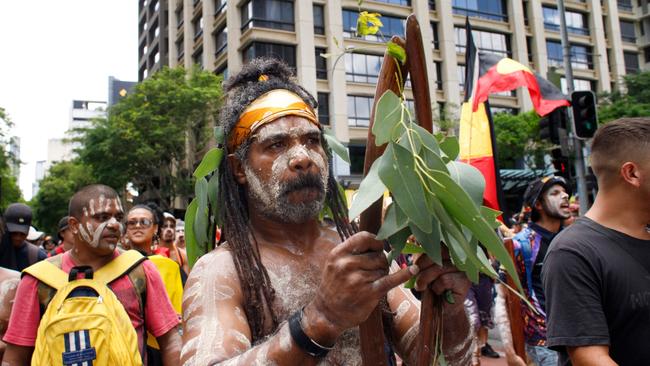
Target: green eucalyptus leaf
[387,117]
[370,190]
[449,297]
[209,163]
[193,250]
[411,248]
[336,145]
[397,172]
[491,216]
[470,178]
[397,243]
[413,145]
[427,139]
[459,205]
[202,215]
[430,242]
[213,189]
[410,283]
[450,147]
[394,221]
[396,51]
[219,135]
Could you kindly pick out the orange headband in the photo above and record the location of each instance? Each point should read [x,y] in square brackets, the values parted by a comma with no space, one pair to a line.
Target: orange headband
[265,109]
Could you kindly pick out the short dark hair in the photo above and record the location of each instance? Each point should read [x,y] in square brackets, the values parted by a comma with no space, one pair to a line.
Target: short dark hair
[81,198]
[625,139]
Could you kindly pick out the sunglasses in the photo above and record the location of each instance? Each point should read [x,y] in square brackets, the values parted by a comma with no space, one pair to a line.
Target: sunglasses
[145,223]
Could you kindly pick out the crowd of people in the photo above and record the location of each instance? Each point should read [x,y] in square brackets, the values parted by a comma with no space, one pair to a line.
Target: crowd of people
[285,288]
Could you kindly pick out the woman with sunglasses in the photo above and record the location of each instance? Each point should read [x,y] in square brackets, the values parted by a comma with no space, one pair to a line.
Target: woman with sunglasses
[142,233]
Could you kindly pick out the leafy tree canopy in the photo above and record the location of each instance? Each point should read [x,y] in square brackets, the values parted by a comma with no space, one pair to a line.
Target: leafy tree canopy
[51,202]
[634,103]
[518,137]
[145,137]
[9,190]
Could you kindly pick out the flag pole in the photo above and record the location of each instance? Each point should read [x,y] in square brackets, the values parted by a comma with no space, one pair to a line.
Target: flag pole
[495,157]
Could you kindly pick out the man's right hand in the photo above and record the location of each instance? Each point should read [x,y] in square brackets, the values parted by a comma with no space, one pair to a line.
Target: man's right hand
[355,277]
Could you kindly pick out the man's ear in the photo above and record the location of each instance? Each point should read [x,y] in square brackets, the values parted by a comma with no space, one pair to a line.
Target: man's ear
[538,205]
[631,174]
[73,224]
[237,169]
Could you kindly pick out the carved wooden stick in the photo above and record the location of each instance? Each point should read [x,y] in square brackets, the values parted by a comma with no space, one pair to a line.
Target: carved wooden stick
[372,331]
[513,304]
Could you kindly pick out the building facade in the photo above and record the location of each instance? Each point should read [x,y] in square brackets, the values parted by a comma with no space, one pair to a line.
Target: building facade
[607,40]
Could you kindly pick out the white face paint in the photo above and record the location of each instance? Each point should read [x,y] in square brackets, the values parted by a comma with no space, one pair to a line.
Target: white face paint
[556,202]
[91,234]
[272,193]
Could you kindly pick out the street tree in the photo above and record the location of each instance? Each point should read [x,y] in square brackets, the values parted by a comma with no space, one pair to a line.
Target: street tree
[153,137]
[634,102]
[9,190]
[62,180]
[517,137]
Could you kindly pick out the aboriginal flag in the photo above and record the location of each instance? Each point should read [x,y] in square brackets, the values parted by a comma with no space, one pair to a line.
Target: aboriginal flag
[476,135]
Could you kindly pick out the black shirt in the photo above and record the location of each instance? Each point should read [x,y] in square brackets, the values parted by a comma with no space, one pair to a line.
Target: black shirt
[597,283]
[21,257]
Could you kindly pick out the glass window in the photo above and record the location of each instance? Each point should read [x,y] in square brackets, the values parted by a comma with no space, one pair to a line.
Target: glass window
[197,58]
[438,75]
[432,4]
[578,84]
[436,42]
[221,40]
[362,68]
[625,5]
[197,24]
[357,158]
[627,31]
[631,62]
[219,6]
[276,14]
[493,9]
[576,23]
[180,50]
[323,108]
[486,41]
[391,26]
[497,109]
[461,76]
[321,64]
[319,19]
[359,108]
[179,17]
[581,57]
[646,54]
[282,52]
[396,2]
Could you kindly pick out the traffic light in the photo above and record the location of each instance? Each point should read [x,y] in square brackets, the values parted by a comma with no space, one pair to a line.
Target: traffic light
[585,118]
[551,124]
[561,164]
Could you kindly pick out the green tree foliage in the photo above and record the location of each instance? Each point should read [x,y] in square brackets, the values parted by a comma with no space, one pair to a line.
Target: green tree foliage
[518,137]
[56,188]
[9,190]
[634,103]
[145,137]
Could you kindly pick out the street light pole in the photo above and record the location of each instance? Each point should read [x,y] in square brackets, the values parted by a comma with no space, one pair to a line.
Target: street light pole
[578,159]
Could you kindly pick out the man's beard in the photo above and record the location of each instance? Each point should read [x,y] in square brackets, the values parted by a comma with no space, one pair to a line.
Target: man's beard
[271,198]
[554,210]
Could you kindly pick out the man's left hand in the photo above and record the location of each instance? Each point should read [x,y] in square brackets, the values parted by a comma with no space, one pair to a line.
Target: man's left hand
[442,278]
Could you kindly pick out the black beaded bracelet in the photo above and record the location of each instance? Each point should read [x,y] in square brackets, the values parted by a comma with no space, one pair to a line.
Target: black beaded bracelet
[303,341]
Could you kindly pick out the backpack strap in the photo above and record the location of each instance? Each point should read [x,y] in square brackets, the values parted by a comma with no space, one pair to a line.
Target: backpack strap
[48,273]
[120,266]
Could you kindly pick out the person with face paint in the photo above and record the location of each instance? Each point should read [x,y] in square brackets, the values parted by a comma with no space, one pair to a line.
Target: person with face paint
[546,205]
[285,288]
[167,241]
[597,271]
[143,232]
[95,215]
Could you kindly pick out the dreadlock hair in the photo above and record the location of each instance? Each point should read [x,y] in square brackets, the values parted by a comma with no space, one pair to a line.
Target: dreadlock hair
[241,90]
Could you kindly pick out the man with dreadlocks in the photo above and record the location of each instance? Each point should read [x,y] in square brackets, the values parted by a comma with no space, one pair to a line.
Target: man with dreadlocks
[286,289]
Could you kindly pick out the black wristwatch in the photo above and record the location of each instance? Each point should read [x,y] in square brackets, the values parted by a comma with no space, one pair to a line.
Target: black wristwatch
[303,341]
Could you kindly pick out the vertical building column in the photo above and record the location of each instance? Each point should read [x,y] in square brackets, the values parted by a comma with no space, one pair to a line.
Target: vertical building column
[421,11]
[616,61]
[336,74]
[305,56]
[447,38]
[188,33]
[208,30]
[600,59]
[519,47]
[233,22]
[536,23]
[173,32]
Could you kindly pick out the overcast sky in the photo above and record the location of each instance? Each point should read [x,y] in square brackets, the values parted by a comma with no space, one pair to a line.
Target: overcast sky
[52,52]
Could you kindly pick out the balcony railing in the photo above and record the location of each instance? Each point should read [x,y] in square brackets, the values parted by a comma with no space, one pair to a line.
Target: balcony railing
[480,14]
